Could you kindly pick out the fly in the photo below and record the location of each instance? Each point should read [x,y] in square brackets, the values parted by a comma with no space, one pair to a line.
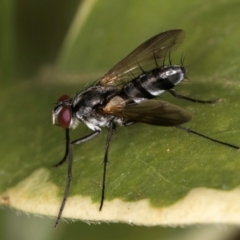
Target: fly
[127,95]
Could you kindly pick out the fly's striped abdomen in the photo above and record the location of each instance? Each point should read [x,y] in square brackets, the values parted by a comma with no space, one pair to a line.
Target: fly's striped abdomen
[153,83]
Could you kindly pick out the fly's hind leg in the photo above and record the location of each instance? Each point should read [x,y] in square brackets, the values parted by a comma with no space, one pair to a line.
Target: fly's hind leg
[176,95]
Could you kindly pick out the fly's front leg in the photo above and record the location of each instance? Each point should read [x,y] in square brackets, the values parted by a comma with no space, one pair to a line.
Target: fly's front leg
[70,157]
[67,138]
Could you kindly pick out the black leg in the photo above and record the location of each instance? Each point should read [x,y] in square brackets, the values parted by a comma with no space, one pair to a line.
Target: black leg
[209,138]
[176,95]
[86,138]
[67,138]
[111,129]
[67,187]
[69,175]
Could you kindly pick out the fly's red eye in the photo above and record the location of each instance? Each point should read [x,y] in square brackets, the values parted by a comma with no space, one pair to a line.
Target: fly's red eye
[63,98]
[64,117]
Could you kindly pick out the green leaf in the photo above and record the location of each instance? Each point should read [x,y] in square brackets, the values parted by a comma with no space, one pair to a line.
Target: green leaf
[7,41]
[156,176]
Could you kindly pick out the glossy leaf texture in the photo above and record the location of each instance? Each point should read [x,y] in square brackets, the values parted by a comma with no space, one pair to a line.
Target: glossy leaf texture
[156,175]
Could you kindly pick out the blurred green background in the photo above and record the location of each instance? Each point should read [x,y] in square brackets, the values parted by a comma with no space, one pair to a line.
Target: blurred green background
[43,43]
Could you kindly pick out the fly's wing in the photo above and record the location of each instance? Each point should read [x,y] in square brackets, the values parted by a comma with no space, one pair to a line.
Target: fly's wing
[153,112]
[144,57]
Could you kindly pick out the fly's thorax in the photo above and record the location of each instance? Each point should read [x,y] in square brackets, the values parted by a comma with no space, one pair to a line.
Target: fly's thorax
[87,102]
[175,74]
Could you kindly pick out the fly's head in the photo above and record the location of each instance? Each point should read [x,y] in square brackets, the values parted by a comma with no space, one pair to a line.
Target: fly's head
[63,115]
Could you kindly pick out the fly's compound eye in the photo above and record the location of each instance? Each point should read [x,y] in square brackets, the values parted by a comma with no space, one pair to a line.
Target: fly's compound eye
[64,117]
[62,114]
[63,98]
